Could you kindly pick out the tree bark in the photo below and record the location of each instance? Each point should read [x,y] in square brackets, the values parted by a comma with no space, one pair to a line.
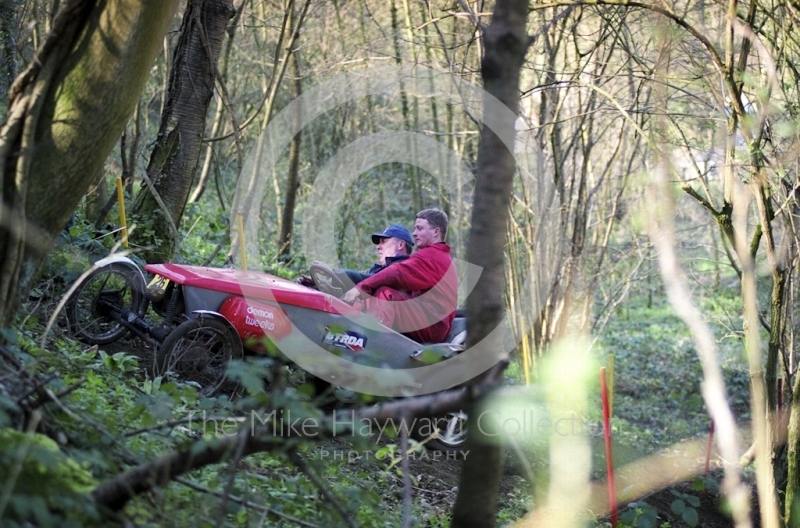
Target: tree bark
[173,162]
[506,43]
[8,45]
[217,124]
[66,111]
[293,180]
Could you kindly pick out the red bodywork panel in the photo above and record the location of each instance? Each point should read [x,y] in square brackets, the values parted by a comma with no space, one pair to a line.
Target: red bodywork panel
[254,321]
[253,285]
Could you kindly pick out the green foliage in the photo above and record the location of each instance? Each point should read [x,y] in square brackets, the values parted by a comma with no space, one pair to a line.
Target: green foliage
[657,397]
[206,226]
[685,506]
[148,236]
[515,505]
[120,361]
[42,485]
[639,514]
[77,246]
[119,417]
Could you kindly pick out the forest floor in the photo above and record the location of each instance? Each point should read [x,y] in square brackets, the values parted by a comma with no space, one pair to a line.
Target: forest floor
[435,475]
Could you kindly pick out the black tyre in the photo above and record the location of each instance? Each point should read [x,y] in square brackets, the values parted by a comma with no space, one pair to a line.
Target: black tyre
[451,435]
[199,350]
[101,295]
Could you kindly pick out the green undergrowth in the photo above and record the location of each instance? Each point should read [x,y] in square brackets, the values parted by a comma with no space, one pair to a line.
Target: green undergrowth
[657,399]
[110,417]
[657,372]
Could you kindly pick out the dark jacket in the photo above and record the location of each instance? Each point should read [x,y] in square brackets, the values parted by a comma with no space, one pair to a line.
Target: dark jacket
[358,276]
[429,270]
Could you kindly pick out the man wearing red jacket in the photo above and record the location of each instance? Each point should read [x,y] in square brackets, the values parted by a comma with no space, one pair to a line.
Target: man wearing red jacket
[417,297]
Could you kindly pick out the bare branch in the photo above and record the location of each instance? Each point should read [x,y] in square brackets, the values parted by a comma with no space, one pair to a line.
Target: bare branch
[298,461]
[244,502]
[713,388]
[472,16]
[715,56]
[115,493]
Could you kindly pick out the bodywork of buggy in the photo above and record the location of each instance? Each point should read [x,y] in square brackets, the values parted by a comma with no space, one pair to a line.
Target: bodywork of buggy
[201,318]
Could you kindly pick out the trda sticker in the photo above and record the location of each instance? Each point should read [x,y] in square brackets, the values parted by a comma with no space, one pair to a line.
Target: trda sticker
[348,339]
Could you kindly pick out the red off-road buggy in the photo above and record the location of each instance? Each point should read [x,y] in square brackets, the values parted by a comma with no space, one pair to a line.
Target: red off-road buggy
[205,317]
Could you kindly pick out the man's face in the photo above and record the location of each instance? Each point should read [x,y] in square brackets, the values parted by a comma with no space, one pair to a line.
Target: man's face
[388,247]
[425,235]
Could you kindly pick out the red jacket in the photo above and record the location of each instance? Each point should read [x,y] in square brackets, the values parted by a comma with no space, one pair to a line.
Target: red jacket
[431,270]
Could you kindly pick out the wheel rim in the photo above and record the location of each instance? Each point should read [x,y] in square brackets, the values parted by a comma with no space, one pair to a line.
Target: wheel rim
[454,433]
[201,356]
[96,301]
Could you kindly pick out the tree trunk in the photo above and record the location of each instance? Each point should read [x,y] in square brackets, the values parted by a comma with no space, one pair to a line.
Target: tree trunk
[8,45]
[506,43]
[217,124]
[293,180]
[174,160]
[66,111]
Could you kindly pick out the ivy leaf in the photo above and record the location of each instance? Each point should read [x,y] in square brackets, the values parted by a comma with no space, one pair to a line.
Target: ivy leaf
[628,516]
[646,522]
[689,516]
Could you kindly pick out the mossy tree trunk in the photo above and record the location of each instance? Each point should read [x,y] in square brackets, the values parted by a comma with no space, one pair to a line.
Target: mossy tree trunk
[173,162]
[66,111]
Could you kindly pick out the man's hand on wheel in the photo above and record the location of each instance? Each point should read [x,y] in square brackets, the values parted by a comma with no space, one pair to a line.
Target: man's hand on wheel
[305,280]
[352,295]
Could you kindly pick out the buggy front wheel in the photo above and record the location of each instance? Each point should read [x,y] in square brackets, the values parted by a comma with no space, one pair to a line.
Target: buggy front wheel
[199,350]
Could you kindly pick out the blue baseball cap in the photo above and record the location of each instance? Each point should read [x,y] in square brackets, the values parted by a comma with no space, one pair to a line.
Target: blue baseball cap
[396,231]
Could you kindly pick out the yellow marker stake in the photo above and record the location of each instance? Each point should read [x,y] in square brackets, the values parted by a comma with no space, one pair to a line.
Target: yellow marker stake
[611,384]
[122,220]
[526,364]
[242,252]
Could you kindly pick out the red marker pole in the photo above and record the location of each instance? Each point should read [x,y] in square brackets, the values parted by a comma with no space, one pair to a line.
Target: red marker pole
[710,445]
[612,493]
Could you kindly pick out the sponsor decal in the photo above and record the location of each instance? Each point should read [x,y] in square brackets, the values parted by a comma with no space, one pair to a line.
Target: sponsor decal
[260,318]
[256,320]
[348,339]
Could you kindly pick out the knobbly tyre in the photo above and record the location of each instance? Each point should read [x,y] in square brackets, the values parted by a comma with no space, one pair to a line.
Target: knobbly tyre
[210,316]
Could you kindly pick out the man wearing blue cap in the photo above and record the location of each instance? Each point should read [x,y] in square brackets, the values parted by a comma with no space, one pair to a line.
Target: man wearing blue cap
[417,297]
[393,245]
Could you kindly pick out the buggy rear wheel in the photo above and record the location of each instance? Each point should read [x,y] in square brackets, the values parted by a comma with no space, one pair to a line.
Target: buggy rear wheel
[199,350]
[104,293]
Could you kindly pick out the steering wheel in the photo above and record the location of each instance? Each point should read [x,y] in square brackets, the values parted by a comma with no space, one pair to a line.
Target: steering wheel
[326,280]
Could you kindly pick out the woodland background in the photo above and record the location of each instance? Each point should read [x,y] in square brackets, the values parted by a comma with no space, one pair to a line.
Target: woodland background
[651,216]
